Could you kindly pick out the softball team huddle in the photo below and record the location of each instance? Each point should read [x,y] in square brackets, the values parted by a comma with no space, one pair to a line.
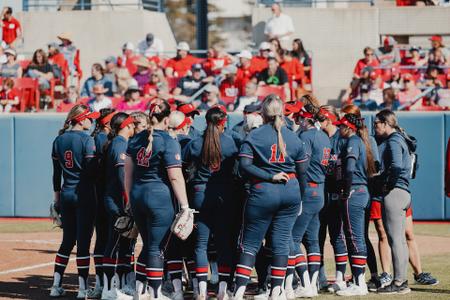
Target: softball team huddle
[279,179]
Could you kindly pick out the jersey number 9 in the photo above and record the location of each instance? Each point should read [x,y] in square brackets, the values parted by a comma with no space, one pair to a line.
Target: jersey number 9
[68,159]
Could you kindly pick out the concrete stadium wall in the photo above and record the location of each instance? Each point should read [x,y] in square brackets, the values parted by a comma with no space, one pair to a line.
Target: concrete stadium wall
[26,169]
[97,34]
[337,37]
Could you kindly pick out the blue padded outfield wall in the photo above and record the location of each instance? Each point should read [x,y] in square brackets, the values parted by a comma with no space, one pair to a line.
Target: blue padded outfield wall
[26,169]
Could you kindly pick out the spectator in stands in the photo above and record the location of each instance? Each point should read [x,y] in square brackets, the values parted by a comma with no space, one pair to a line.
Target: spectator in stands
[157,84]
[259,62]
[299,52]
[215,61]
[142,75]
[415,58]
[191,84]
[432,78]
[72,55]
[97,78]
[212,98]
[248,98]
[389,100]
[151,46]
[395,79]
[437,60]
[99,99]
[293,68]
[443,94]
[128,58]
[276,48]
[361,87]
[388,54]
[70,101]
[410,90]
[279,26]
[11,28]
[9,97]
[246,72]
[3,47]
[40,69]
[274,75]
[59,64]
[437,43]
[364,101]
[110,72]
[123,80]
[132,100]
[229,89]
[11,68]
[182,62]
[368,60]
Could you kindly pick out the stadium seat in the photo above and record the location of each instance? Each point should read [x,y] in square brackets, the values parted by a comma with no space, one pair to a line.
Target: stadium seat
[266,90]
[64,107]
[30,95]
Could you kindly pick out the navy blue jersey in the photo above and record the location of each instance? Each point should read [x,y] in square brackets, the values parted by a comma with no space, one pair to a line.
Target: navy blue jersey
[238,133]
[151,167]
[318,150]
[193,133]
[100,140]
[261,145]
[72,149]
[355,148]
[203,174]
[395,161]
[115,158]
[183,140]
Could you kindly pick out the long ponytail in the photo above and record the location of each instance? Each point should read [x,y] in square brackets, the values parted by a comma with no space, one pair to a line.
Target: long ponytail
[272,111]
[75,111]
[211,150]
[157,113]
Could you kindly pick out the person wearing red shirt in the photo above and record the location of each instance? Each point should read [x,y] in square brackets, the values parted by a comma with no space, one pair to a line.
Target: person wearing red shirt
[182,63]
[260,62]
[9,97]
[369,60]
[128,58]
[57,58]
[246,71]
[10,27]
[292,67]
[215,62]
[229,90]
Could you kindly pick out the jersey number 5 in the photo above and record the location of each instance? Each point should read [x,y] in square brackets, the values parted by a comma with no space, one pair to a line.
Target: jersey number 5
[273,156]
[68,159]
[143,158]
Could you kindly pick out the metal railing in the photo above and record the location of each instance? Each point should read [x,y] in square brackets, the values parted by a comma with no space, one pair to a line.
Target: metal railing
[310,3]
[55,5]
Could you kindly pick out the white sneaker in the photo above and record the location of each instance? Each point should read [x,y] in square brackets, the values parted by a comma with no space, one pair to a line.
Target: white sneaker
[226,296]
[337,286]
[262,296]
[302,292]
[128,290]
[57,291]
[352,290]
[290,293]
[82,294]
[115,294]
[177,295]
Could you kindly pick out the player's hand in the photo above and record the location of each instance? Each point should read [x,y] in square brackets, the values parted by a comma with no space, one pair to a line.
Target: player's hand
[280,177]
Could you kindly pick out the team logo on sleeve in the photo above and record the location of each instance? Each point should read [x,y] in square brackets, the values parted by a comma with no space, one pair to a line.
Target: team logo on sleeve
[177,156]
[349,149]
[122,156]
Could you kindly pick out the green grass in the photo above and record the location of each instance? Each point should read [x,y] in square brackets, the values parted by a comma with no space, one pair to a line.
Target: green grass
[25,226]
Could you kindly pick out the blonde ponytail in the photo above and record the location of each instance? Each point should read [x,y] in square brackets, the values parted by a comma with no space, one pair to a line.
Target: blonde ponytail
[75,111]
[272,111]
[277,124]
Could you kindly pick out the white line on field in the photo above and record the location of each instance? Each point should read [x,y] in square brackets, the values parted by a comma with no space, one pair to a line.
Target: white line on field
[30,267]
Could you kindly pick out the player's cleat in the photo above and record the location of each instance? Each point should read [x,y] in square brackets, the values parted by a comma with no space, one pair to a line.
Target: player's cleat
[385,279]
[373,284]
[337,286]
[262,294]
[353,290]
[82,294]
[115,294]
[425,279]
[128,290]
[395,289]
[290,293]
[95,293]
[177,295]
[57,291]
[302,292]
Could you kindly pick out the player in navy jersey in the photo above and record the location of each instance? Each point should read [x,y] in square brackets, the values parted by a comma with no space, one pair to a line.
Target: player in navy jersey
[189,110]
[73,156]
[358,166]
[306,228]
[213,155]
[179,127]
[330,218]
[272,156]
[154,177]
[116,262]
[100,135]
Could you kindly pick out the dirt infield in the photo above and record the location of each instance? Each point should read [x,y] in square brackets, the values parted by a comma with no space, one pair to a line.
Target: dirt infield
[26,261]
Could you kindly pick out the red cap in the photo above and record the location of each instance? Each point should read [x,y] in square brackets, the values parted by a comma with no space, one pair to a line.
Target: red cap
[436,38]
[345,122]
[186,121]
[87,114]
[188,109]
[222,108]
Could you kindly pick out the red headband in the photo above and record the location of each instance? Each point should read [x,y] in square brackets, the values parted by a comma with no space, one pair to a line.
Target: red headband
[185,122]
[345,122]
[87,114]
[222,122]
[107,118]
[329,115]
[304,114]
[126,122]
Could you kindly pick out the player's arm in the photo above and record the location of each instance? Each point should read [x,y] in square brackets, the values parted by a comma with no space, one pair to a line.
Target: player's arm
[128,176]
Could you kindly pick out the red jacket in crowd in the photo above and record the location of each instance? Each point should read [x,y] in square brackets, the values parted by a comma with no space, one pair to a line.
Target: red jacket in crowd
[181,66]
[10,30]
